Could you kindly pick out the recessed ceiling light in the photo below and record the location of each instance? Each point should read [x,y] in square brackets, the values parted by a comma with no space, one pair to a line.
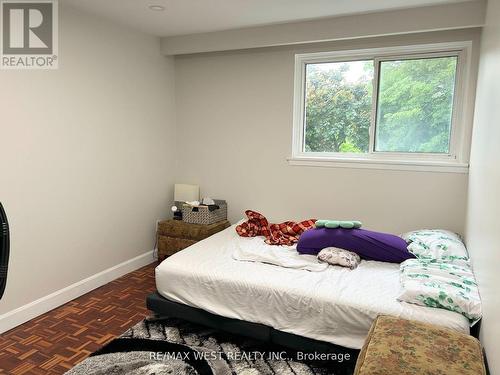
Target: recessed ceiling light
[157,8]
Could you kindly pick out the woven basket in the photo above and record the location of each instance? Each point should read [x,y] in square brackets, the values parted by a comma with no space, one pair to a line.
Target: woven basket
[202,215]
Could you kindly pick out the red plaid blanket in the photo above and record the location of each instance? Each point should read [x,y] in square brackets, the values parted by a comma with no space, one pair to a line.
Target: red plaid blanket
[286,233]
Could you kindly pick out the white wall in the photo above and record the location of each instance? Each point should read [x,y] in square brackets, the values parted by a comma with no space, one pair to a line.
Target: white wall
[234,130]
[483,223]
[450,16]
[86,156]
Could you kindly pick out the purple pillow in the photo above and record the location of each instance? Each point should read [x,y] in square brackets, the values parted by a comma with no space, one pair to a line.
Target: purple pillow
[367,244]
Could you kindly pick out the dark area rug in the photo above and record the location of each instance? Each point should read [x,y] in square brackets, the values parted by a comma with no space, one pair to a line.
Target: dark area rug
[172,346]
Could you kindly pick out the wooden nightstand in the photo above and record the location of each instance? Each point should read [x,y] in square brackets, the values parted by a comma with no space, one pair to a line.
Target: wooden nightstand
[175,235]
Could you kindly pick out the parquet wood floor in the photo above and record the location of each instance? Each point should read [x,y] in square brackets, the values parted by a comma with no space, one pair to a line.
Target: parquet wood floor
[54,342]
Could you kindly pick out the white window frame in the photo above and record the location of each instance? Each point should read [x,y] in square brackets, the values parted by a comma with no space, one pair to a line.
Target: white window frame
[457,158]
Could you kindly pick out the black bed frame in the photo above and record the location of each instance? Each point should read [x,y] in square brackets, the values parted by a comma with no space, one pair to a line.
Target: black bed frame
[166,308]
[163,307]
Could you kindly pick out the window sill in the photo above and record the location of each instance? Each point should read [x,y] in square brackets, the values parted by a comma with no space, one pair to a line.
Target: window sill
[365,163]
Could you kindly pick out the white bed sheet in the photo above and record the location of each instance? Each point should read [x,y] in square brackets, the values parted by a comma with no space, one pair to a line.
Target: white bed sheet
[337,305]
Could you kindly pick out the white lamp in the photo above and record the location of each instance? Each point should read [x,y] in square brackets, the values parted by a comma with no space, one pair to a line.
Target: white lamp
[186,193]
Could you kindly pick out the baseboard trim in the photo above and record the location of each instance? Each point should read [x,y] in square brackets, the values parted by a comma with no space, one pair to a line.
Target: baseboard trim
[42,305]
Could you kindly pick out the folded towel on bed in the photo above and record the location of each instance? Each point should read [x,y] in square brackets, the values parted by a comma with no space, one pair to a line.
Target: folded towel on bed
[286,233]
[256,250]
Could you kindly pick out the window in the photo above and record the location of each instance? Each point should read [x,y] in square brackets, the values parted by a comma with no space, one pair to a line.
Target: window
[338,100]
[414,105]
[393,106]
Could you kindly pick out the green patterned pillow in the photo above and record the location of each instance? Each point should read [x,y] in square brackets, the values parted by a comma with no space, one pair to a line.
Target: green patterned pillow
[441,284]
[437,244]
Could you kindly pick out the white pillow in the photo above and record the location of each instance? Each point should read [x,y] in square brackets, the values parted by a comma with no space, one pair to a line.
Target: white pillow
[340,257]
[442,285]
[437,244]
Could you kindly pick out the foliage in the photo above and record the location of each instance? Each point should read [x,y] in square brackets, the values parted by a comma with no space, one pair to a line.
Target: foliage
[413,115]
[337,111]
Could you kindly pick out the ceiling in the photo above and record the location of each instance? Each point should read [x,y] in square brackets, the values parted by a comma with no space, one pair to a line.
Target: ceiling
[199,16]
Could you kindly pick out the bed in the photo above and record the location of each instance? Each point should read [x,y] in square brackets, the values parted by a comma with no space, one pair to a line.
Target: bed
[335,306]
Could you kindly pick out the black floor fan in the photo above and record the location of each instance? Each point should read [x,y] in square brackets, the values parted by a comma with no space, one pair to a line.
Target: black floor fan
[4,249]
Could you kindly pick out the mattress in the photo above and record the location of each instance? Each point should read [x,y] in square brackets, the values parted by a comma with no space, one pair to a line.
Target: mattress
[336,305]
